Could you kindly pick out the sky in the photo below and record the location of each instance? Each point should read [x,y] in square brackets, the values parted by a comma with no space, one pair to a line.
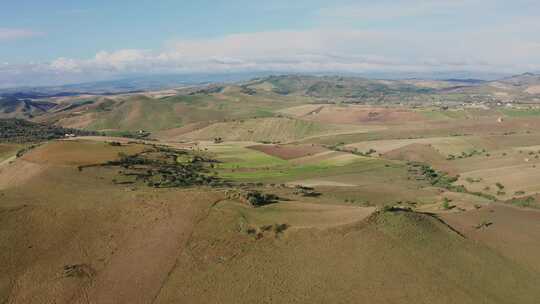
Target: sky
[60,41]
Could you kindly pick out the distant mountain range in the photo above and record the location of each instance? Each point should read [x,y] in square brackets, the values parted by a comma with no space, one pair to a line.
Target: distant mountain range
[127,85]
[97,102]
[167,81]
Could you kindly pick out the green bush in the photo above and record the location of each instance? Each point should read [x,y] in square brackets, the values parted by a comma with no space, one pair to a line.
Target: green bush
[258,199]
[446,205]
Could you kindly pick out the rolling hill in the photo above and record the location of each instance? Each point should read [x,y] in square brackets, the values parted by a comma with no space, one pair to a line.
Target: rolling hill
[260,97]
[73,236]
[11,107]
[276,129]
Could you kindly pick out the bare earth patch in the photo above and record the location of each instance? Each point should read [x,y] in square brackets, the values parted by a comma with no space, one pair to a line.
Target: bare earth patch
[533,89]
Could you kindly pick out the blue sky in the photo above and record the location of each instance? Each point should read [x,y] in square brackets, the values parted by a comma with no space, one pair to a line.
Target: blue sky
[75,29]
[49,42]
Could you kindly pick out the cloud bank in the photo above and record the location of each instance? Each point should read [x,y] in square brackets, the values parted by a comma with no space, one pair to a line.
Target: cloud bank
[495,36]
[508,49]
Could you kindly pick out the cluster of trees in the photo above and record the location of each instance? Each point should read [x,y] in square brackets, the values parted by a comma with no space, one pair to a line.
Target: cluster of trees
[207,91]
[467,155]
[523,201]
[306,191]
[253,198]
[340,147]
[247,90]
[434,177]
[160,167]
[141,134]
[367,153]
[23,131]
[442,179]
[259,232]
[258,199]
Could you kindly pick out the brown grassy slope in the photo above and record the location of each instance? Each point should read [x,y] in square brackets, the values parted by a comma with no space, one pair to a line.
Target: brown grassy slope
[352,114]
[267,129]
[78,152]
[513,231]
[421,153]
[390,258]
[416,153]
[8,150]
[120,244]
[480,126]
[74,237]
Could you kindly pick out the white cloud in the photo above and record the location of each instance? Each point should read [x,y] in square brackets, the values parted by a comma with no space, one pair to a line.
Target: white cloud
[120,58]
[65,64]
[505,49]
[12,33]
[350,49]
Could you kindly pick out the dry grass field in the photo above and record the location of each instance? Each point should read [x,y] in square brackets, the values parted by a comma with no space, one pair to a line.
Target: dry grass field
[355,114]
[71,236]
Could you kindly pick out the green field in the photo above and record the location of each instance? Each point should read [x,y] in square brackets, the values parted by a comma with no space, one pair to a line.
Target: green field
[242,163]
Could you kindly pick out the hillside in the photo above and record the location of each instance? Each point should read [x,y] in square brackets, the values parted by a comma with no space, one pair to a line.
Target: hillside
[362,90]
[79,236]
[524,88]
[244,193]
[157,112]
[523,79]
[22,131]
[261,97]
[334,86]
[529,83]
[383,258]
[23,108]
[277,129]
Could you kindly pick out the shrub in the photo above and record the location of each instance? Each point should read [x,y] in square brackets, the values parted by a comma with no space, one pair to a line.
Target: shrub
[483,224]
[446,205]
[279,228]
[258,199]
[523,202]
